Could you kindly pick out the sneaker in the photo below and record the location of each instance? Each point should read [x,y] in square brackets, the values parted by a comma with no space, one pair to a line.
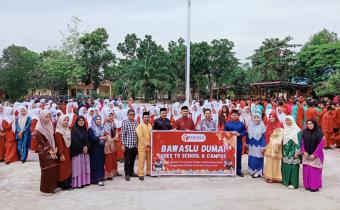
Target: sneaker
[141,178]
[101,183]
[290,187]
[127,178]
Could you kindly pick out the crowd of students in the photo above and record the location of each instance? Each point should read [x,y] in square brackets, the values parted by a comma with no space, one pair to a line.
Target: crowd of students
[80,142]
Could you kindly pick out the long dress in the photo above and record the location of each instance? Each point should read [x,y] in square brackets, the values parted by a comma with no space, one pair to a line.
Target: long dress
[48,166]
[2,146]
[64,172]
[255,148]
[97,158]
[11,154]
[110,151]
[80,160]
[273,155]
[34,143]
[290,166]
[23,143]
[312,170]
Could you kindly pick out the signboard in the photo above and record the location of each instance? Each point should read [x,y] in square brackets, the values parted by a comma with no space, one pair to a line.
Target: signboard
[193,153]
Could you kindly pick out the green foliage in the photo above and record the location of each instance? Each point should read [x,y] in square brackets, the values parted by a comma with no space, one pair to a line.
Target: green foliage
[60,70]
[148,70]
[274,60]
[95,56]
[330,87]
[17,65]
[319,58]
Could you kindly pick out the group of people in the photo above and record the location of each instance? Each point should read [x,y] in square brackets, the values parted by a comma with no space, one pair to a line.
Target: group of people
[80,142]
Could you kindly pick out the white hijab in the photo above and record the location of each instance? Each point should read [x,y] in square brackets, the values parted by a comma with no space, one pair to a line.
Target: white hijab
[22,119]
[65,132]
[290,132]
[256,130]
[281,116]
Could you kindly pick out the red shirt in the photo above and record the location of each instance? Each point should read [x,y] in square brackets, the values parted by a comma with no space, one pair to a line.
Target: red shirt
[185,123]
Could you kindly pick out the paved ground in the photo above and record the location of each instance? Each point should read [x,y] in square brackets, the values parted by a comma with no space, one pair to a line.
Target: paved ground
[19,188]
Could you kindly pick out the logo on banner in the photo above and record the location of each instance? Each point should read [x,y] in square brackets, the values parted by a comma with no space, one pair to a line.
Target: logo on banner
[193,137]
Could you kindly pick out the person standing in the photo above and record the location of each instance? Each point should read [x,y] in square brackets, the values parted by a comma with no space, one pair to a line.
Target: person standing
[256,144]
[144,139]
[79,153]
[47,150]
[328,128]
[208,124]
[291,150]
[23,133]
[162,123]
[97,139]
[11,154]
[185,123]
[273,156]
[62,138]
[110,147]
[129,139]
[238,128]
[313,157]
[2,135]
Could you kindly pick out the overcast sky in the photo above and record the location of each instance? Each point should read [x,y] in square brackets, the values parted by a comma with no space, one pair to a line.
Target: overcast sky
[36,24]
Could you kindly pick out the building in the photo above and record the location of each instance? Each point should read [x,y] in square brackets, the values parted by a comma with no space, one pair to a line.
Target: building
[104,89]
[79,90]
[279,89]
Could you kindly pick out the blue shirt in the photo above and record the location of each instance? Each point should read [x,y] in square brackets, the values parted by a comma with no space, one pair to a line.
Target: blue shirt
[238,127]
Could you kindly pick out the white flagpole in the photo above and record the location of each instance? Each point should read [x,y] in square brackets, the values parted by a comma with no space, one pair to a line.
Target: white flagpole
[187,78]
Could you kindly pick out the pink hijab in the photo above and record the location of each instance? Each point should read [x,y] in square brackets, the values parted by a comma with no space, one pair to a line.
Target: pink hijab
[46,128]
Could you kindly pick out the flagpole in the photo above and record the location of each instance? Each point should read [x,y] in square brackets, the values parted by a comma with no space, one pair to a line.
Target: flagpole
[187,78]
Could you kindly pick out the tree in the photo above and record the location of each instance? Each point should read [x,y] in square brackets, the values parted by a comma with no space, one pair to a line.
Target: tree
[274,60]
[330,87]
[95,56]
[319,58]
[60,70]
[144,68]
[17,64]
[223,62]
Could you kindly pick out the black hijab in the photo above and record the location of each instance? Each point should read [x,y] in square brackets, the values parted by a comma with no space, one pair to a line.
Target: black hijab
[312,138]
[79,138]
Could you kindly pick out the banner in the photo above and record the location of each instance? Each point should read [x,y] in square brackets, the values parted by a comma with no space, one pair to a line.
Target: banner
[193,153]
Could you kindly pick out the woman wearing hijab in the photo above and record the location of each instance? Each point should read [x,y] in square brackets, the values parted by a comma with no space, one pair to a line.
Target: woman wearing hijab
[71,115]
[11,154]
[110,149]
[273,156]
[223,117]
[313,157]
[47,151]
[2,135]
[256,144]
[34,116]
[291,153]
[273,123]
[63,141]
[79,154]
[97,139]
[23,133]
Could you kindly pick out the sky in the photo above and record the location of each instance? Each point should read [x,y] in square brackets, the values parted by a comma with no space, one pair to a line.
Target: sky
[36,24]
